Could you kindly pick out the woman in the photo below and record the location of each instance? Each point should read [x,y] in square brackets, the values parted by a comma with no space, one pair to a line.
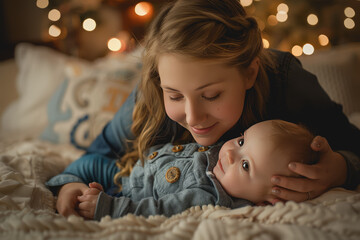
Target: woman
[207,78]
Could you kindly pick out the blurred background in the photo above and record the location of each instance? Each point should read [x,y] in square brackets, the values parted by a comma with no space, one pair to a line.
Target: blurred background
[90,29]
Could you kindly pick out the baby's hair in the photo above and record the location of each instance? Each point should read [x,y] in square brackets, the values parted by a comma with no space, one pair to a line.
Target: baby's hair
[295,137]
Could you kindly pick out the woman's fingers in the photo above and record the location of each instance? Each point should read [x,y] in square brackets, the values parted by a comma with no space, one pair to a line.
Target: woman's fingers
[319,144]
[286,194]
[293,183]
[308,171]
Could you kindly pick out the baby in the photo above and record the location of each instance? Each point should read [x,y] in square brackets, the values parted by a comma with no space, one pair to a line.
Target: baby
[247,163]
[239,174]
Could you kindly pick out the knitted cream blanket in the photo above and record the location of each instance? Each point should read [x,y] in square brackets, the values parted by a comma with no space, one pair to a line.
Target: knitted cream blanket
[27,209]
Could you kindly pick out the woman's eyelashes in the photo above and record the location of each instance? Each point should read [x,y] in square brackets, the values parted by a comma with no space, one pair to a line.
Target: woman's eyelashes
[180,97]
[212,98]
[176,98]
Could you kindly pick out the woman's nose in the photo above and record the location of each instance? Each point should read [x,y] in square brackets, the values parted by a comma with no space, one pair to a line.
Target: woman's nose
[195,114]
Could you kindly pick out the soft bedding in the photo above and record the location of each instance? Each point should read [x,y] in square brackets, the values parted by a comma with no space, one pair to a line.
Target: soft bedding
[27,208]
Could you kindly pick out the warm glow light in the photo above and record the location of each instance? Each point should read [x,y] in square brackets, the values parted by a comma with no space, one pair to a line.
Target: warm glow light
[261,24]
[312,19]
[349,23]
[297,50]
[323,40]
[143,8]
[266,43]
[89,24]
[349,12]
[281,16]
[246,3]
[114,44]
[54,15]
[308,49]
[42,3]
[54,31]
[272,21]
[282,7]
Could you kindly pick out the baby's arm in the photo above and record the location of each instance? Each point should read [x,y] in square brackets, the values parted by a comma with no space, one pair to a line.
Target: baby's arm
[87,201]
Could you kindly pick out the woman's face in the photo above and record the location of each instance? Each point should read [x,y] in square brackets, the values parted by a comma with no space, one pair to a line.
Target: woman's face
[205,97]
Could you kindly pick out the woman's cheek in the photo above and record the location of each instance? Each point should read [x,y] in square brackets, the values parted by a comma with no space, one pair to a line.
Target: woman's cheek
[173,111]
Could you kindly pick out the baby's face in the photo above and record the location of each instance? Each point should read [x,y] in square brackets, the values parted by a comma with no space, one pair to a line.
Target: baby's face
[247,163]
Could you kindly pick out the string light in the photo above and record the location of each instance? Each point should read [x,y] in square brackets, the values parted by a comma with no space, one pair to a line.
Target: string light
[349,12]
[54,15]
[42,3]
[246,3]
[297,50]
[312,19]
[308,49]
[272,21]
[89,24]
[323,40]
[114,44]
[143,8]
[54,31]
[349,23]
[266,43]
[281,16]
[282,7]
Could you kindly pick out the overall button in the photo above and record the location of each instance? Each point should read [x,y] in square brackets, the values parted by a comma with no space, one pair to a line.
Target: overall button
[153,155]
[177,148]
[202,149]
[172,174]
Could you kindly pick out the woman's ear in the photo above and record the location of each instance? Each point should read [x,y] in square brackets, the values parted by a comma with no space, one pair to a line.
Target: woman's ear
[252,72]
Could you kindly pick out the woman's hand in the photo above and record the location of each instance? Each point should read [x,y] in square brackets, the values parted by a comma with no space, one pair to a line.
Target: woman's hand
[67,202]
[329,172]
[87,201]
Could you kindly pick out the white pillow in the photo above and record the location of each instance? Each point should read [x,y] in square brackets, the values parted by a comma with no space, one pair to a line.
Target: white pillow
[40,71]
[65,99]
[89,97]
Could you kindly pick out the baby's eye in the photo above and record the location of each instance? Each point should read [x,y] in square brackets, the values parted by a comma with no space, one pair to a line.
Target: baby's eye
[245,165]
[241,141]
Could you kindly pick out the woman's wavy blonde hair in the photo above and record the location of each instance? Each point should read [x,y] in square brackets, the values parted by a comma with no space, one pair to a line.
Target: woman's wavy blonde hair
[218,30]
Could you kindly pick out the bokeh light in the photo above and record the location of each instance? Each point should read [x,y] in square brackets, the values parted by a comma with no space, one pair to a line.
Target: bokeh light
[297,50]
[42,3]
[349,12]
[281,16]
[312,19]
[246,3]
[323,40]
[54,31]
[349,23]
[308,49]
[266,43]
[89,24]
[282,7]
[114,44]
[54,15]
[143,8]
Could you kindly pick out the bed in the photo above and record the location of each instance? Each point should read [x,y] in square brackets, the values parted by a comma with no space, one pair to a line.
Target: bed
[56,105]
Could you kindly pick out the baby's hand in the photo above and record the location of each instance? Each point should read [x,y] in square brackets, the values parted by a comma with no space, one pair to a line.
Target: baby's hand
[87,201]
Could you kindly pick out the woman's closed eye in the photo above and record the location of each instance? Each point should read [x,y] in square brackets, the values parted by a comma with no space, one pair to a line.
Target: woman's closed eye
[212,98]
[176,97]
